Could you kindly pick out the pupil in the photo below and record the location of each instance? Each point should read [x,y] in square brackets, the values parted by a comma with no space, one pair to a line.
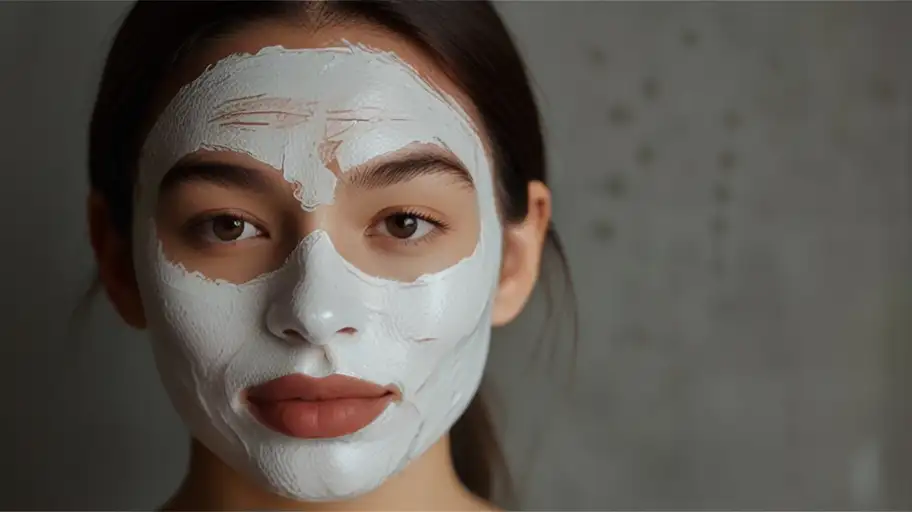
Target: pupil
[227,228]
[402,226]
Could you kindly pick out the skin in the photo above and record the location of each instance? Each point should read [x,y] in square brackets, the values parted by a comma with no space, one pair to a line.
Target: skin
[362,236]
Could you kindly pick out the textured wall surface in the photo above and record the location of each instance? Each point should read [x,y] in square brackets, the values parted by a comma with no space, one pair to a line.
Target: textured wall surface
[733,182]
[734,188]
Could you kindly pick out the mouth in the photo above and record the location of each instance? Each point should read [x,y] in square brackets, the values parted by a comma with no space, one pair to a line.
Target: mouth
[310,408]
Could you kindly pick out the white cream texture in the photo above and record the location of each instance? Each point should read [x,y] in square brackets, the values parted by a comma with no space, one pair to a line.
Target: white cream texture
[297,110]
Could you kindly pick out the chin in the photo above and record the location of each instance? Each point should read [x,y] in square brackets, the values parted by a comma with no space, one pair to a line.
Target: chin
[329,470]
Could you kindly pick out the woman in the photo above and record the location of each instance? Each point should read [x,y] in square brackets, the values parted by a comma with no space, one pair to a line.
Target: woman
[318,211]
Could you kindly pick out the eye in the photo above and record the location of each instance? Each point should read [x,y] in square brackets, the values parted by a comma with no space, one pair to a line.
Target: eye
[222,229]
[406,226]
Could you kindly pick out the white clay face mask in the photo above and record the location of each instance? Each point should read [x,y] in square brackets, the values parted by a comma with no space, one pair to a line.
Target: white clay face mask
[219,344]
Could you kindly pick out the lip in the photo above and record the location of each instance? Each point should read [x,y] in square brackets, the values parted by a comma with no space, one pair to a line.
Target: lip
[318,408]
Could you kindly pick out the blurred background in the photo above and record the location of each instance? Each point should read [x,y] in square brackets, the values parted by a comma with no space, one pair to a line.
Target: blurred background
[733,182]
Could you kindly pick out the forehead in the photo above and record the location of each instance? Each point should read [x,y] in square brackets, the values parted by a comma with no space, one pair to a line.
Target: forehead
[311,106]
[254,37]
[350,83]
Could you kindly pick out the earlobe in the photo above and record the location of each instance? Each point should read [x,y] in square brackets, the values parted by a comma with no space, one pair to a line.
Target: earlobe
[522,254]
[115,265]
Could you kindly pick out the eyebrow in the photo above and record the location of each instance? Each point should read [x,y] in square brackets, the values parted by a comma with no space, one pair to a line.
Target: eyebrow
[368,176]
[217,173]
[407,168]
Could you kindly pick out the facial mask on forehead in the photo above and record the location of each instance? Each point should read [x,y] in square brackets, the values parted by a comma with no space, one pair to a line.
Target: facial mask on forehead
[312,115]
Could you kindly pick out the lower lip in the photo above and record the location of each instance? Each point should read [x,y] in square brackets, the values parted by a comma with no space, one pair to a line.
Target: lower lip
[323,419]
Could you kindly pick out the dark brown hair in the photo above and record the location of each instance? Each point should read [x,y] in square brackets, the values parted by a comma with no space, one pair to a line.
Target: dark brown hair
[466,39]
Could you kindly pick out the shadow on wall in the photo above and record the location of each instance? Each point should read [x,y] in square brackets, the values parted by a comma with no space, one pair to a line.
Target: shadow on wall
[85,424]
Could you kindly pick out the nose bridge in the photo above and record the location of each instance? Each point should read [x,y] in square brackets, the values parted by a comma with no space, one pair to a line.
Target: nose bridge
[319,303]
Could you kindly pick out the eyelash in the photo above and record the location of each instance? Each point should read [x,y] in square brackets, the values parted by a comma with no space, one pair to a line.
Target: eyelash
[440,226]
[196,227]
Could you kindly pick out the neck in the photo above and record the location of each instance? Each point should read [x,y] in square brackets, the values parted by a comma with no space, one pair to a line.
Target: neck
[428,483]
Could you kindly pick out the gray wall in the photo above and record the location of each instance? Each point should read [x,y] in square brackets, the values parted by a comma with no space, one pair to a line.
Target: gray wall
[734,188]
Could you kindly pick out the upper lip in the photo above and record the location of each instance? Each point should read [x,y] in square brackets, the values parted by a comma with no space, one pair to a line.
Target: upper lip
[302,387]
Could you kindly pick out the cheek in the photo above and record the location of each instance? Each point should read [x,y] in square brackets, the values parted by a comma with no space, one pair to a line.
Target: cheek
[205,321]
[445,305]
[211,321]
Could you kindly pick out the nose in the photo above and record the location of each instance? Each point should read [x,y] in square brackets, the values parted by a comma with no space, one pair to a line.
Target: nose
[315,306]
[303,315]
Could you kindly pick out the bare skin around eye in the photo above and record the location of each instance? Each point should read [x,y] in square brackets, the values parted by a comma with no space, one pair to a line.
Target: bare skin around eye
[237,227]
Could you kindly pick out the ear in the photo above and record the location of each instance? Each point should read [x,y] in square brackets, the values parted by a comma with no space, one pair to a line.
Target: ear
[115,263]
[522,253]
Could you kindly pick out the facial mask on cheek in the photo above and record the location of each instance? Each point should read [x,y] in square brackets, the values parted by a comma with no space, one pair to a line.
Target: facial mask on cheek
[310,114]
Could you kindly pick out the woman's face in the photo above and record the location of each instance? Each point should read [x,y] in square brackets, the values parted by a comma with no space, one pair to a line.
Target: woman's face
[317,248]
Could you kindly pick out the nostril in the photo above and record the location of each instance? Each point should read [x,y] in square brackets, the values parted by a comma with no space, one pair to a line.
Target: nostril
[293,334]
[347,330]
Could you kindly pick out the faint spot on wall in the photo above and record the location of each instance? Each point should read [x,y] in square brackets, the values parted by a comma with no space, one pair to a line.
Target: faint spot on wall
[651,88]
[615,186]
[602,230]
[620,114]
[883,92]
[645,155]
[718,225]
[690,37]
[731,120]
[721,193]
[719,228]
[596,57]
[727,161]
[721,197]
